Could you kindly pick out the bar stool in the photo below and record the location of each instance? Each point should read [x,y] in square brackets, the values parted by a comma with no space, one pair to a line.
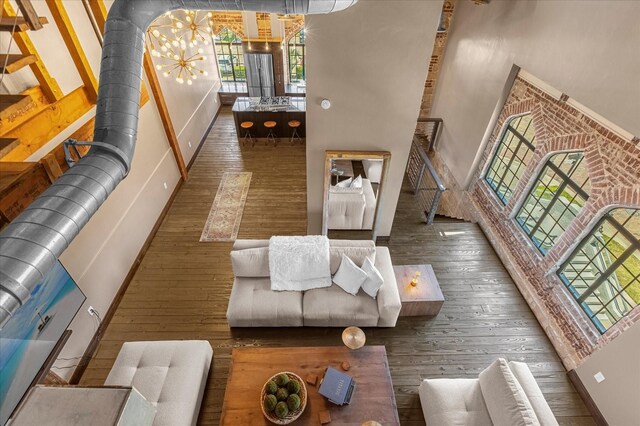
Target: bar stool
[271,135]
[294,124]
[247,125]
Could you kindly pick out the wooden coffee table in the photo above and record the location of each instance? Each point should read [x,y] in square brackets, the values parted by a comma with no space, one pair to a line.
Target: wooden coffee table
[250,368]
[426,298]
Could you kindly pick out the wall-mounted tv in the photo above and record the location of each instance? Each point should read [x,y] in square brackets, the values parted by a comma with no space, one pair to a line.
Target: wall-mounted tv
[27,339]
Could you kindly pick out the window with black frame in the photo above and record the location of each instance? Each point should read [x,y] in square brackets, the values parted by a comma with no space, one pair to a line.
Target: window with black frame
[560,191]
[603,272]
[230,56]
[511,157]
[296,58]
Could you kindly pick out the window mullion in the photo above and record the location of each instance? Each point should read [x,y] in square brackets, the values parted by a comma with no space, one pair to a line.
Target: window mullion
[607,273]
[547,209]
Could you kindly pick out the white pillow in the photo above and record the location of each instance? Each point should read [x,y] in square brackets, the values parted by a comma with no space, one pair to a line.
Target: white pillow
[374,279]
[357,182]
[349,276]
[349,190]
[345,183]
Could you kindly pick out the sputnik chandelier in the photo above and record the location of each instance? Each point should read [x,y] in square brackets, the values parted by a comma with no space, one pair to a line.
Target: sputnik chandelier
[173,41]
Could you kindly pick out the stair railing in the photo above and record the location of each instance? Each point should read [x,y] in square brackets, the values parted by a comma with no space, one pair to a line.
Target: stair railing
[427,185]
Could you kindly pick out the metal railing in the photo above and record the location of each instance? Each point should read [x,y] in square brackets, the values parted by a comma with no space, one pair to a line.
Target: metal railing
[428,132]
[426,184]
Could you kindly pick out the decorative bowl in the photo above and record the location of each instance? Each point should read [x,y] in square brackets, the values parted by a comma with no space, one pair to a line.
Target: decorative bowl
[293,415]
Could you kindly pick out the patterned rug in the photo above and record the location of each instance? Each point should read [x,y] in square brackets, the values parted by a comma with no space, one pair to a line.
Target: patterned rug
[226,212]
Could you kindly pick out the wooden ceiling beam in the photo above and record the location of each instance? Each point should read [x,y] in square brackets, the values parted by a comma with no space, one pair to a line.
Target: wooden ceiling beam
[49,85]
[74,47]
[30,15]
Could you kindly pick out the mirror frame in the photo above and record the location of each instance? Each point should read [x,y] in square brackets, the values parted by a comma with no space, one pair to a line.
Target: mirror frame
[354,155]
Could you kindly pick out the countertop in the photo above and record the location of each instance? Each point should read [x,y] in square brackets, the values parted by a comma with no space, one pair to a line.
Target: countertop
[243,104]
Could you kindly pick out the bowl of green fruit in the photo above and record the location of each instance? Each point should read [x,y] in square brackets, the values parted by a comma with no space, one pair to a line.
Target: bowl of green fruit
[283,398]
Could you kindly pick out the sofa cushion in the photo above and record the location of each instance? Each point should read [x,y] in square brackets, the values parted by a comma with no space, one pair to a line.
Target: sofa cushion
[171,375]
[332,307]
[374,280]
[349,276]
[356,250]
[453,402]
[506,401]
[543,412]
[252,262]
[247,244]
[253,304]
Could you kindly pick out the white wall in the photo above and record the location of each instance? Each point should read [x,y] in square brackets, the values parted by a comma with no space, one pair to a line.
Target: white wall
[102,255]
[586,49]
[192,107]
[371,61]
[619,362]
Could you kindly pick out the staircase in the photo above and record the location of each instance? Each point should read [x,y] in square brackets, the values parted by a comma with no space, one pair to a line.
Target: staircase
[12,105]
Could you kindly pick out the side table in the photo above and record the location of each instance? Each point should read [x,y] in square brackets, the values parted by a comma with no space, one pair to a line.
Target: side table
[426,298]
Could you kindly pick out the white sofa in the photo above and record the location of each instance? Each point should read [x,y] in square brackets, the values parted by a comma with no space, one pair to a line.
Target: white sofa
[253,304]
[352,208]
[171,375]
[373,169]
[505,394]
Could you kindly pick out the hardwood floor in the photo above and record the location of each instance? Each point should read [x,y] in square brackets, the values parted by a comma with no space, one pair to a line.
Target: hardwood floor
[182,287]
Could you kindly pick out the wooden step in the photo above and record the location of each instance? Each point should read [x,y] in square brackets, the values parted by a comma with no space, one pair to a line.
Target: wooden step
[15,62]
[12,104]
[6,23]
[7,145]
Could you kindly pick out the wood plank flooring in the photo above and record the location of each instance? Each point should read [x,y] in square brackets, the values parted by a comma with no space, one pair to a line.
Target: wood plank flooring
[182,288]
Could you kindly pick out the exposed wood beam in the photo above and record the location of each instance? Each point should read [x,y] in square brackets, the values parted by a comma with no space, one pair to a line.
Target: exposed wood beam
[7,145]
[154,84]
[51,166]
[14,62]
[72,42]
[7,23]
[49,85]
[12,104]
[48,123]
[29,14]
[39,102]
[99,11]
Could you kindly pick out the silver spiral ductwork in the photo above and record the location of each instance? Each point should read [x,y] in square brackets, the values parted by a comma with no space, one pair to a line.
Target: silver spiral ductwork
[31,244]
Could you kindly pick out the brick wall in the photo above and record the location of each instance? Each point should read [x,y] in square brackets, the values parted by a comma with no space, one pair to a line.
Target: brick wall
[231,20]
[439,47]
[614,170]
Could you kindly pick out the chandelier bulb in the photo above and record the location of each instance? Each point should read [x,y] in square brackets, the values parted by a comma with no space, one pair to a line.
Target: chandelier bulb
[166,73]
[158,67]
[156,33]
[189,82]
[180,80]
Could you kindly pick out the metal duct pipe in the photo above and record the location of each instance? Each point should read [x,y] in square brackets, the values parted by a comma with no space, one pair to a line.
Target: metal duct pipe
[31,244]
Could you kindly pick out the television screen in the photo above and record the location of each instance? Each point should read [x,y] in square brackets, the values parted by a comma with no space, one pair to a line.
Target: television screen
[27,339]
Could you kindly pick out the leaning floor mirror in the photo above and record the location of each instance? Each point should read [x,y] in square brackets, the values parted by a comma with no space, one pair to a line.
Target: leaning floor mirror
[353,183]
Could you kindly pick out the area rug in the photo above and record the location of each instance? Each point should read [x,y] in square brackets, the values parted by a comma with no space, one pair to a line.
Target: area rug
[226,211]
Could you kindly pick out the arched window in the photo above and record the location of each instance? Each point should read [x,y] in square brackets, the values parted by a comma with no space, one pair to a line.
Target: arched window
[296,57]
[556,198]
[512,155]
[603,272]
[230,56]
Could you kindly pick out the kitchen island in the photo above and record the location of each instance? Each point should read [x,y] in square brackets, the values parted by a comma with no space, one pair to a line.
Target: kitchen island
[281,109]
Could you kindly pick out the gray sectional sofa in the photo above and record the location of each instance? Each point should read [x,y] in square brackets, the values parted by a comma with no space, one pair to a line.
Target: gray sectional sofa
[254,304]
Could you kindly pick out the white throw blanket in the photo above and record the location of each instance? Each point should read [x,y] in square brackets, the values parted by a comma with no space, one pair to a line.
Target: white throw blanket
[299,263]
